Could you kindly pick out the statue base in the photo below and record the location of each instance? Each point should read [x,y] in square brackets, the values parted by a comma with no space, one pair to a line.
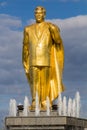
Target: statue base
[43,122]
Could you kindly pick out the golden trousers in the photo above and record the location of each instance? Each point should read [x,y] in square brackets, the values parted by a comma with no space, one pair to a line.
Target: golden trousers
[40,83]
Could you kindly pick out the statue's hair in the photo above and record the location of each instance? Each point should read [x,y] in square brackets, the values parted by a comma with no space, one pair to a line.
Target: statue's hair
[41,7]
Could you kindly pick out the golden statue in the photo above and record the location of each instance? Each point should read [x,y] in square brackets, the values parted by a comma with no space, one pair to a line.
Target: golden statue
[43,59]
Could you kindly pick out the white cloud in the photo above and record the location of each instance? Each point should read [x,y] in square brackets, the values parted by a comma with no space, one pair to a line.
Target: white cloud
[73,22]
[10,47]
[9,21]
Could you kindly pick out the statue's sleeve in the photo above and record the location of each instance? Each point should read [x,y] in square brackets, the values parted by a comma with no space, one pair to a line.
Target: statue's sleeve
[57,41]
[55,33]
[25,51]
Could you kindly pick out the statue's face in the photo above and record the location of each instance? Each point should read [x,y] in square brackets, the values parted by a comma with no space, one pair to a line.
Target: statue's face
[39,15]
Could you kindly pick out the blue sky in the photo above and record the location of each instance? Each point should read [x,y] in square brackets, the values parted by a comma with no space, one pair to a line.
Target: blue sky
[71,17]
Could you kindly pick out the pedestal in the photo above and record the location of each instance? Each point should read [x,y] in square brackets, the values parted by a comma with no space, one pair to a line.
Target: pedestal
[43,122]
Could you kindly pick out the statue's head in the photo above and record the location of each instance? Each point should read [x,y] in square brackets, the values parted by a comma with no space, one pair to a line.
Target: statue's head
[40,13]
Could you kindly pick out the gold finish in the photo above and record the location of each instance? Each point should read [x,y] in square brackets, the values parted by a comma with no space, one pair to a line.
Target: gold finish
[42,41]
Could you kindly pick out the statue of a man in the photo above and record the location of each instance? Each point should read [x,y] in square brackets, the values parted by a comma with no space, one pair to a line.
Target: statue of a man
[43,59]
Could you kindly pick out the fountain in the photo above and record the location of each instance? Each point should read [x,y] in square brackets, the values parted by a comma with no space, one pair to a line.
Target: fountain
[69,107]
[73,108]
[26,107]
[48,106]
[64,105]
[78,105]
[65,108]
[12,107]
[37,108]
[60,105]
[66,118]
